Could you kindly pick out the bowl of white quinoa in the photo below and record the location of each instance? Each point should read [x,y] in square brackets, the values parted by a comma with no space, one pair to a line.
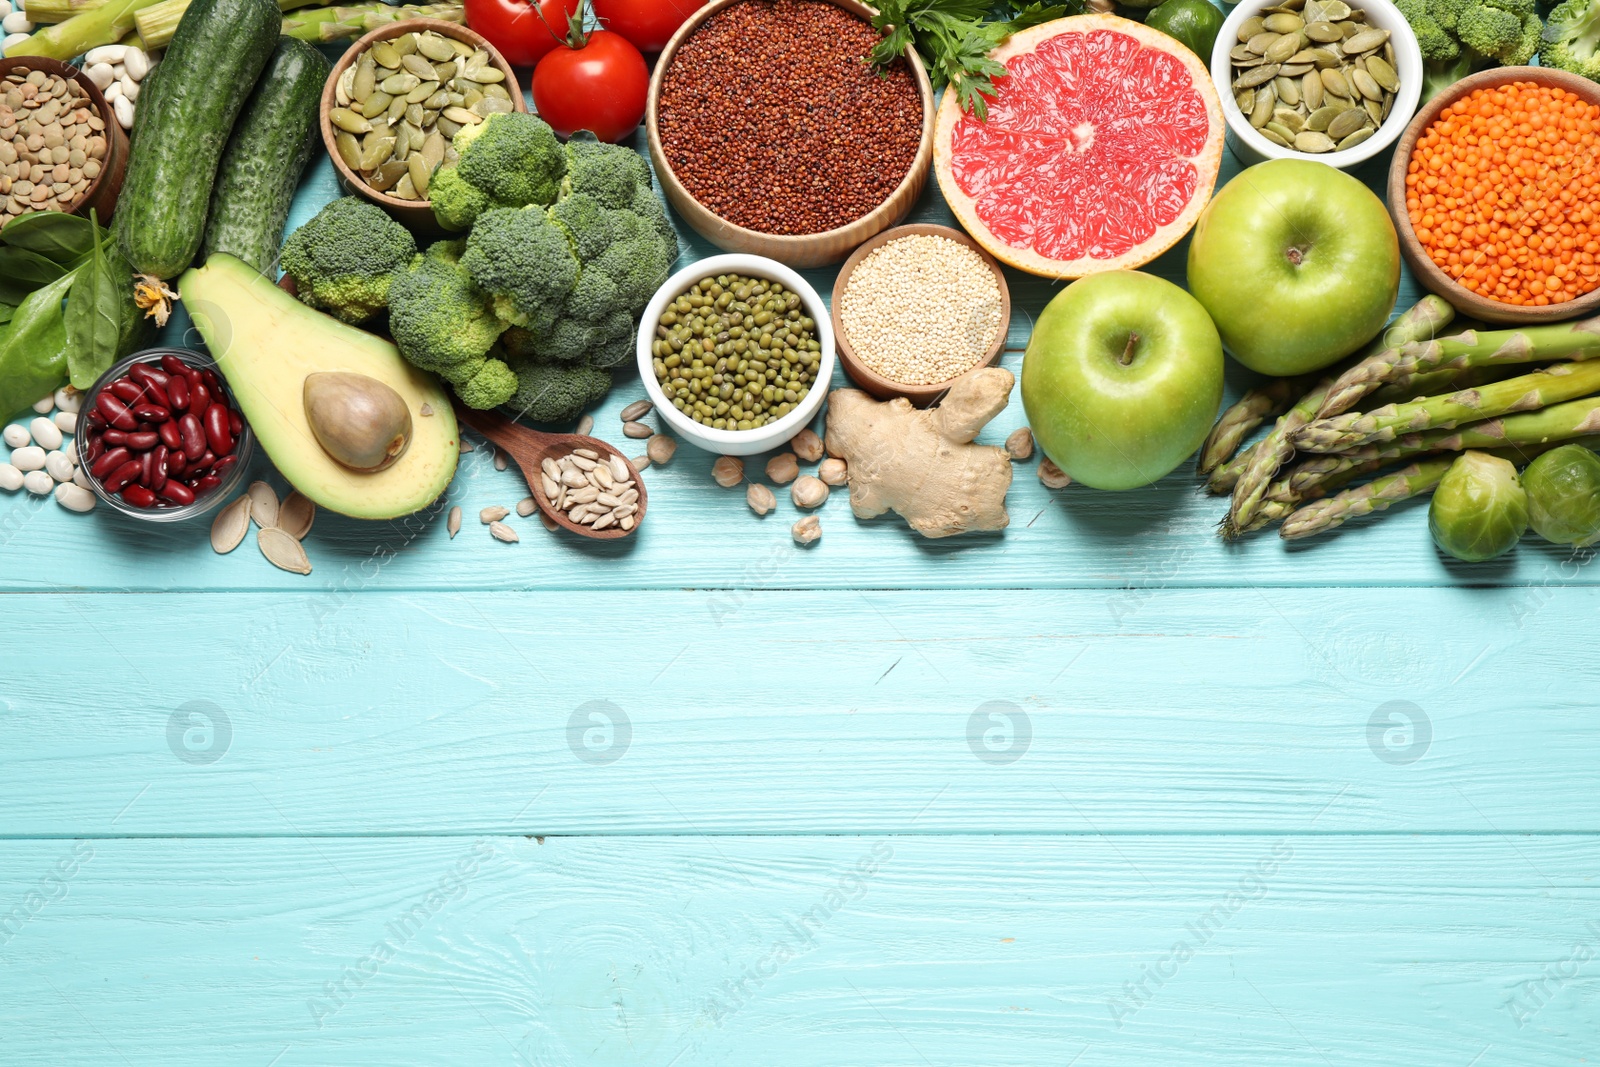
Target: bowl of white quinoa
[917,308]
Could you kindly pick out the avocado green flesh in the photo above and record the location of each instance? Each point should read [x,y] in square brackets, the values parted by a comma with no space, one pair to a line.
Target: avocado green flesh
[266,342]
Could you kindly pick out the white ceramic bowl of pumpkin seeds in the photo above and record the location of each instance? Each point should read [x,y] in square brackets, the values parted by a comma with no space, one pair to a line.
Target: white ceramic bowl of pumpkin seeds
[1316,79]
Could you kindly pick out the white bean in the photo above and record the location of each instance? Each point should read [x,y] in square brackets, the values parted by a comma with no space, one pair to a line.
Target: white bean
[5,7]
[16,22]
[19,5]
[44,405]
[79,478]
[66,421]
[74,497]
[70,449]
[29,458]
[124,111]
[58,466]
[45,433]
[130,88]
[10,478]
[16,436]
[114,93]
[11,40]
[107,54]
[38,483]
[102,75]
[136,63]
[68,399]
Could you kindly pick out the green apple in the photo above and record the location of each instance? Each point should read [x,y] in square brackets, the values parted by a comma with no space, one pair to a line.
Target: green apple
[1122,378]
[1298,264]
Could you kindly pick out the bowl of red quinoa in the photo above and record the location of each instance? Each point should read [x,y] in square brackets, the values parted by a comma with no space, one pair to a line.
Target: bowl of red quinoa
[772,136]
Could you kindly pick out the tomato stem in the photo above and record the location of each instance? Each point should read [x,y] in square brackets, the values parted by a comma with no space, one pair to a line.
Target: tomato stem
[574,37]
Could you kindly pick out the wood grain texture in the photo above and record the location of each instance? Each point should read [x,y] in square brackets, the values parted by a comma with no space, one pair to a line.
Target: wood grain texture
[890,951]
[1178,711]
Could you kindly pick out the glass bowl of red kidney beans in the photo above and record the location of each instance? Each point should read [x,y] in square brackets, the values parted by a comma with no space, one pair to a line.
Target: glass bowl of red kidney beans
[161,437]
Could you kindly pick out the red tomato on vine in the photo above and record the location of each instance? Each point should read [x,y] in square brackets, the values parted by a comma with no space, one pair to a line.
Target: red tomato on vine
[594,80]
[649,24]
[523,32]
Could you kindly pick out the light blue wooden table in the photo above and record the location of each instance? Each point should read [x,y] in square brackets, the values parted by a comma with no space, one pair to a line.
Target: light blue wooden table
[1099,791]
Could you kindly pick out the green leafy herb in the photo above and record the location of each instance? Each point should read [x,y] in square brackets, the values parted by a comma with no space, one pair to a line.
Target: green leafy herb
[955,37]
[22,271]
[33,348]
[94,313]
[64,239]
[6,311]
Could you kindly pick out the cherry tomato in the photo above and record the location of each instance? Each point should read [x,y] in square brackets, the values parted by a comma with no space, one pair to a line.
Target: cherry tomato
[514,26]
[597,85]
[649,24]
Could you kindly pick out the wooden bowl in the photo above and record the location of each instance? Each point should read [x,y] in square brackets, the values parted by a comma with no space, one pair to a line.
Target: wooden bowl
[806,250]
[103,190]
[887,388]
[1470,304]
[416,214]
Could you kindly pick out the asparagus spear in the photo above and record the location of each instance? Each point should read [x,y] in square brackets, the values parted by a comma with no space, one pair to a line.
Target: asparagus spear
[1416,323]
[1423,321]
[1565,341]
[1225,477]
[343,23]
[1434,382]
[1281,499]
[1549,385]
[159,21]
[48,12]
[106,24]
[1255,407]
[1320,516]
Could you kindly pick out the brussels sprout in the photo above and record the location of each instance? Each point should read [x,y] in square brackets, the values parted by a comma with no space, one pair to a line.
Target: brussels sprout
[1564,495]
[1479,510]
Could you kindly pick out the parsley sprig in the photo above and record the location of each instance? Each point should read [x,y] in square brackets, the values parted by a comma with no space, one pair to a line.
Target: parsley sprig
[954,39]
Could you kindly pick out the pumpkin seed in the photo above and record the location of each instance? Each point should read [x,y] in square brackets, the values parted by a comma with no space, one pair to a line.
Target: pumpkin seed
[399,84]
[1256,76]
[1240,53]
[1346,123]
[1295,70]
[433,149]
[1283,22]
[1365,84]
[1365,41]
[349,149]
[1334,83]
[1320,118]
[406,44]
[1288,90]
[1250,27]
[1311,91]
[1383,74]
[404,189]
[485,74]
[497,91]
[1284,47]
[375,150]
[1323,32]
[230,526]
[1335,10]
[365,80]
[1325,58]
[461,115]
[419,173]
[346,83]
[1265,101]
[1261,42]
[448,128]
[1276,139]
[423,69]
[1282,132]
[375,104]
[1374,109]
[422,92]
[296,515]
[349,121]
[435,47]
[283,551]
[1246,99]
[414,115]
[1312,141]
[263,504]
[1356,138]
[385,53]
[1293,121]
[397,108]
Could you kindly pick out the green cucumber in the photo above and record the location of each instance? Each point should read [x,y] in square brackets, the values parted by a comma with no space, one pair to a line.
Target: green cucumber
[270,146]
[184,119]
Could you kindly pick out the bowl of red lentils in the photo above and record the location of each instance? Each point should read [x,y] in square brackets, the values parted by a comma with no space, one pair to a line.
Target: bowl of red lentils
[1495,193]
[772,135]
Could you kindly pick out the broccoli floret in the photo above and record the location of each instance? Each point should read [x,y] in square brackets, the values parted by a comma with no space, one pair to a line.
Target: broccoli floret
[1572,38]
[610,173]
[1458,37]
[442,322]
[1435,41]
[342,260]
[618,350]
[1503,31]
[525,261]
[548,392]
[509,160]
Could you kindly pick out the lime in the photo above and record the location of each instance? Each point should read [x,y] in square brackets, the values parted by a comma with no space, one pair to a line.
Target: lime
[1194,22]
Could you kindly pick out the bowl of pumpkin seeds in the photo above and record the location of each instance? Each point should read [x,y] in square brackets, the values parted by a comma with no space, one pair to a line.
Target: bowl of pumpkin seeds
[1318,79]
[396,100]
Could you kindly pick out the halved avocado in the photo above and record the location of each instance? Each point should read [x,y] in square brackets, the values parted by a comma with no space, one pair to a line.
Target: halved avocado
[266,342]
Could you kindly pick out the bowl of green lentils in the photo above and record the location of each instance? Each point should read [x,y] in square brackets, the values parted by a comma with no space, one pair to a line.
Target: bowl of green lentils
[737,353]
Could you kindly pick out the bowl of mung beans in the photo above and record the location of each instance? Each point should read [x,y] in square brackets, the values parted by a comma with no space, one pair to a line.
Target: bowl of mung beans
[364,148]
[772,134]
[736,352]
[917,308]
[60,149]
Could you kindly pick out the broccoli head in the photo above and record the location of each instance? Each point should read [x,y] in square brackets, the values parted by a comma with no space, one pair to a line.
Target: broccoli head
[342,260]
[442,322]
[1502,31]
[551,392]
[525,262]
[509,160]
[610,173]
[1571,39]
[1458,37]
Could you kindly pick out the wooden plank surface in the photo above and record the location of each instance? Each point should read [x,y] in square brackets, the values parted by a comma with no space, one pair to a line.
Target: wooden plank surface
[1271,951]
[1006,712]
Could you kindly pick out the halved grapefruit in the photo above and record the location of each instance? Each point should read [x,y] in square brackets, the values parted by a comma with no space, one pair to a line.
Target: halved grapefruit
[1101,148]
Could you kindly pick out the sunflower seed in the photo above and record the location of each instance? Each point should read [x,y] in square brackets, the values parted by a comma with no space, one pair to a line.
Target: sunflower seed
[283,551]
[230,526]
[453,523]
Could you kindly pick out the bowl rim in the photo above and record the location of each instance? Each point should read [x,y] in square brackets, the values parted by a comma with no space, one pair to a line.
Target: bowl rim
[244,449]
[1388,131]
[388,31]
[1427,272]
[878,385]
[805,410]
[783,243]
[103,111]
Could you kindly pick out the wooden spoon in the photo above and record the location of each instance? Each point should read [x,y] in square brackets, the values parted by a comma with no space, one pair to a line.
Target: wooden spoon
[529,448]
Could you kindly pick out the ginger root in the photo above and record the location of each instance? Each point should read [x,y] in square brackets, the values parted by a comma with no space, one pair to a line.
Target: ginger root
[922,465]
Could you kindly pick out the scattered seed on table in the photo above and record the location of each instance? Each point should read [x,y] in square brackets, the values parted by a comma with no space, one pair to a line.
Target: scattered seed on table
[809,492]
[492,514]
[283,551]
[1019,445]
[760,498]
[728,471]
[806,530]
[585,424]
[549,523]
[453,524]
[1052,476]
[783,468]
[501,532]
[263,504]
[660,449]
[38,483]
[807,446]
[636,410]
[640,462]
[527,506]
[636,430]
[833,471]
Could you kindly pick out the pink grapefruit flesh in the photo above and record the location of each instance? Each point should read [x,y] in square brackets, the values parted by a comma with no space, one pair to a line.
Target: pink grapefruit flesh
[1100,151]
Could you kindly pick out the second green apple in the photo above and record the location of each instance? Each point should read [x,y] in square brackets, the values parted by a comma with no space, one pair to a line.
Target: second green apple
[1297,263]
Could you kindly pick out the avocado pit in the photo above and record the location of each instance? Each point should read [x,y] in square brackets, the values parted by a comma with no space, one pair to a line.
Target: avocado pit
[359,421]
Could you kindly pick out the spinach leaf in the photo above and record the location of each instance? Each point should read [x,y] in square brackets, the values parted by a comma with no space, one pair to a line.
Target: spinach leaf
[33,354]
[22,271]
[6,311]
[62,238]
[94,315]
